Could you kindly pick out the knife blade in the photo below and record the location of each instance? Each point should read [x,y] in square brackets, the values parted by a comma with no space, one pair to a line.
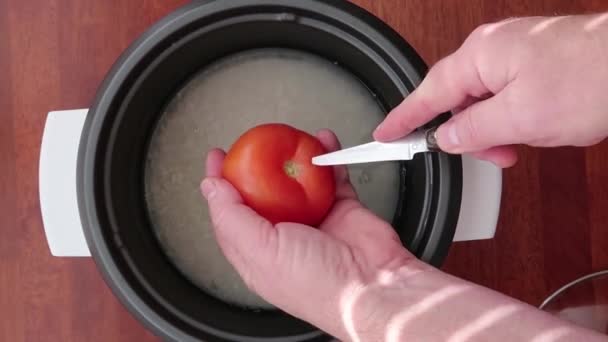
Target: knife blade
[402,149]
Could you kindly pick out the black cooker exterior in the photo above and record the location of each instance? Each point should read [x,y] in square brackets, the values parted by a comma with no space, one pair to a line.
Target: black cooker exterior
[130,100]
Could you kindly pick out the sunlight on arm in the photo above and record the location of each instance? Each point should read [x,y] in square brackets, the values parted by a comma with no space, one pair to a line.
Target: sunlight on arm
[389,278]
[543,25]
[491,28]
[399,322]
[352,295]
[386,278]
[430,305]
[596,22]
[552,335]
[483,322]
[347,307]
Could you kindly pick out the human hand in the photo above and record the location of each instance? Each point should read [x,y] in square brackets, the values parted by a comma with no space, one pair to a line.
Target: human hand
[538,81]
[319,274]
[352,278]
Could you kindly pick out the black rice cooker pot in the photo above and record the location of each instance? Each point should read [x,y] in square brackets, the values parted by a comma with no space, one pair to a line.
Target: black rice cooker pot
[130,101]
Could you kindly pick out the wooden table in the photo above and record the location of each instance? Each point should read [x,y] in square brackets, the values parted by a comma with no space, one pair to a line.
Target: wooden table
[54,53]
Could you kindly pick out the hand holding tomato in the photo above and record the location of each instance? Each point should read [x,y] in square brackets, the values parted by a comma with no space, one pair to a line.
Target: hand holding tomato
[270,165]
[352,278]
[310,273]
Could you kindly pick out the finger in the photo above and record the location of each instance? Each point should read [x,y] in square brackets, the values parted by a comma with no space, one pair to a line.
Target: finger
[247,239]
[330,141]
[483,125]
[448,85]
[213,165]
[501,156]
[468,102]
[344,189]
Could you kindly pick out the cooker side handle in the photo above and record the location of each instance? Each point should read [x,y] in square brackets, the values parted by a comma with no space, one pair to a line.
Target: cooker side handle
[57,183]
[481,197]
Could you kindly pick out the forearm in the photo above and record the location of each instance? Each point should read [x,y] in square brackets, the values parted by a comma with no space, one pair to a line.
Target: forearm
[434,306]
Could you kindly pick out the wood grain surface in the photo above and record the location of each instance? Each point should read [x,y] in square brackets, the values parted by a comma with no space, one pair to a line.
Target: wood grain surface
[53,54]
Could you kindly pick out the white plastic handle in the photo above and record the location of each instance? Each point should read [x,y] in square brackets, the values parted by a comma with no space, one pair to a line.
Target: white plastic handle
[57,183]
[481,193]
[480,205]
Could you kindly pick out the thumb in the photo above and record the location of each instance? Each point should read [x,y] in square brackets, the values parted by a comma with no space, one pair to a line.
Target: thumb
[217,190]
[247,240]
[481,126]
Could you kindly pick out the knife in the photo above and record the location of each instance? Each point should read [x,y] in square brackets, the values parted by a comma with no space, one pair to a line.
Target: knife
[402,149]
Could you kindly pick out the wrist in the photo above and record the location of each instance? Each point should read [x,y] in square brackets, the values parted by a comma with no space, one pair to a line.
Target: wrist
[369,307]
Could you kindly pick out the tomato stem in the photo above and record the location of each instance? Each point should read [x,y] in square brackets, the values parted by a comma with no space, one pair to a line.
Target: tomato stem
[290,168]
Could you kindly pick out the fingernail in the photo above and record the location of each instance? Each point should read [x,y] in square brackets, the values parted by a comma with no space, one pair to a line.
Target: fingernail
[447,135]
[376,131]
[377,134]
[208,188]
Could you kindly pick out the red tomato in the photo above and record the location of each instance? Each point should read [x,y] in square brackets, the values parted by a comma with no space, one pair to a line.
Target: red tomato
[270,165]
